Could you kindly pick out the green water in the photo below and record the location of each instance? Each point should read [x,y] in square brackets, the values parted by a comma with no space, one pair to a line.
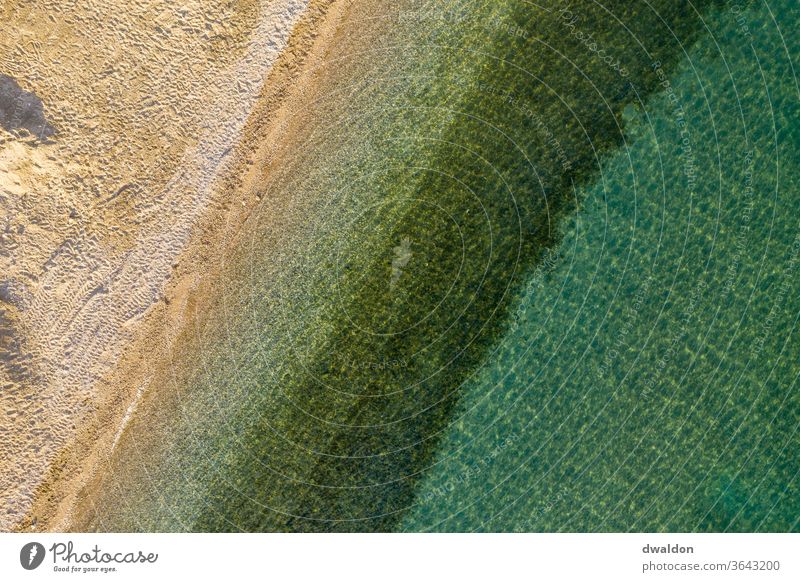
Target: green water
[525,289]
[644,385]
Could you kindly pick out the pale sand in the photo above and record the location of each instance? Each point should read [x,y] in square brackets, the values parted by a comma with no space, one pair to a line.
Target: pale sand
[167,118]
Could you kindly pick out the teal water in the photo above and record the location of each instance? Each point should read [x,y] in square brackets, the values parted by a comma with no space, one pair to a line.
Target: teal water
[649,382]
[523,288]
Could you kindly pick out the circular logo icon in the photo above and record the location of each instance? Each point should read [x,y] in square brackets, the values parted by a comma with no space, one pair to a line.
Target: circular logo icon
[31,555]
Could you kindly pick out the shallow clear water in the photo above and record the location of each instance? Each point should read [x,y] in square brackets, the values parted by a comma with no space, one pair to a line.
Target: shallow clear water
[649,381]
[530,290]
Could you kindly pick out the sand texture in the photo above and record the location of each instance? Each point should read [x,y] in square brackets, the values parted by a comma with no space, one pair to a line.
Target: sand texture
[116,132]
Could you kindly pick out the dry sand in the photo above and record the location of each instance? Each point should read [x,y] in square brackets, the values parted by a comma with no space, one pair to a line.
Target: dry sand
[166,119]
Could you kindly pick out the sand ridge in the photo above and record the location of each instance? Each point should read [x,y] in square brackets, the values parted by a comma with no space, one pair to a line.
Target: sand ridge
[150,106]
[65,496]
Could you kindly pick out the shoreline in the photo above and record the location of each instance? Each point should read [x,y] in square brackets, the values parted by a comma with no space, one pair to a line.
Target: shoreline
[78,466]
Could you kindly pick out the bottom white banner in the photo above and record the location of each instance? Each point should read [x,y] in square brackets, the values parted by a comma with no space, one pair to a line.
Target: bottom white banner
[373,557]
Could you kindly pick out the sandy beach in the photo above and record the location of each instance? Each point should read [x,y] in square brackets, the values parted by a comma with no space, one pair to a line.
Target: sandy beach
[350,266]
[112,227]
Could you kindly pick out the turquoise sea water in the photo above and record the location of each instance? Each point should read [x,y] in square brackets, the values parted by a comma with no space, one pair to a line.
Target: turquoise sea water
[541,275]
[649,381]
